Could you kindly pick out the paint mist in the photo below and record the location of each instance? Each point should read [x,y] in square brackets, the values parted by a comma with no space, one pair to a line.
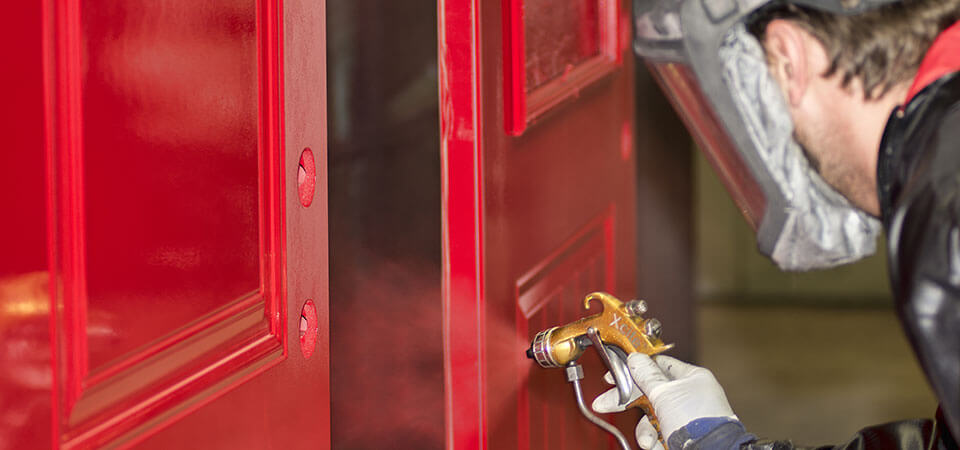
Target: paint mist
[383,157]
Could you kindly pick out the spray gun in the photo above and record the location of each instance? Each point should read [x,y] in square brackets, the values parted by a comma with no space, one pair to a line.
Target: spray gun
[617,330]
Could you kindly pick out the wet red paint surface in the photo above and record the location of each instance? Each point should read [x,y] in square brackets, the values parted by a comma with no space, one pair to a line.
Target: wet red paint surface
[169,105]
[142,295]
[559,35]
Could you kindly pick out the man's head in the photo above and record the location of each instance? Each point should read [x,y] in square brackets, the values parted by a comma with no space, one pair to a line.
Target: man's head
[843,75]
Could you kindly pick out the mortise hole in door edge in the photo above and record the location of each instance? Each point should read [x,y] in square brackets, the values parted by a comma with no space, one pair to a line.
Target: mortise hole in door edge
[306,177]
[309,330]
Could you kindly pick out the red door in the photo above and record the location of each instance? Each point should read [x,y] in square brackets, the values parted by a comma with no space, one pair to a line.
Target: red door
[538,184]
[165,284]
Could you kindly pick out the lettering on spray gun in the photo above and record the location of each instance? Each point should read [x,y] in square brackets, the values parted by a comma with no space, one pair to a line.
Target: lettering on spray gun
[628,332]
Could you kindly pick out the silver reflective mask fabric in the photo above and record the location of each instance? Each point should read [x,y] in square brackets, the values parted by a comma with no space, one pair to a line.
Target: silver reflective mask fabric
[822,229]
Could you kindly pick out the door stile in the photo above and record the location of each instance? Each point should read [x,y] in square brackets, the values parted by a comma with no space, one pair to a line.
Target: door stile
[462,212]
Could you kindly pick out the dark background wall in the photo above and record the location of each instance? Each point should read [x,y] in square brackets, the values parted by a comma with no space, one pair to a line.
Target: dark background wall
[665,271]
[384,162]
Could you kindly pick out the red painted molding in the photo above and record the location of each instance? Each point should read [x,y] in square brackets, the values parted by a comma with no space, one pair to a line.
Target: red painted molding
[64,116]
[523,106]
[462,197]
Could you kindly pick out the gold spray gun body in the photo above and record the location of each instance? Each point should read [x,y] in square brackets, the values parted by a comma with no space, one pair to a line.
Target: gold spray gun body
[617,330]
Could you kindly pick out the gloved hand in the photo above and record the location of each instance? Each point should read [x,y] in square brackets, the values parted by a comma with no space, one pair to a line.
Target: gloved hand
[680,393]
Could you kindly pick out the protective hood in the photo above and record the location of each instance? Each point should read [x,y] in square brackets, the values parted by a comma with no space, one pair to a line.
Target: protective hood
[716,74]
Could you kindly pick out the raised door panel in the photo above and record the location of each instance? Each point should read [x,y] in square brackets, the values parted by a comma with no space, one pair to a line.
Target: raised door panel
[551,293]
[188,262]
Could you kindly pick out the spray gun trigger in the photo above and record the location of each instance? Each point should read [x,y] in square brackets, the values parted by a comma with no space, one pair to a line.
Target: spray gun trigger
[624,382]
[583,341]
[615,359]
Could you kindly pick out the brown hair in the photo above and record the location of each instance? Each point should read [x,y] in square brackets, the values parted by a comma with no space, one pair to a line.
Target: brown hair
[882,47]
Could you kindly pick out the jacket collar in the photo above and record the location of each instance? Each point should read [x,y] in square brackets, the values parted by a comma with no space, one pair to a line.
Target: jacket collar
[942,58]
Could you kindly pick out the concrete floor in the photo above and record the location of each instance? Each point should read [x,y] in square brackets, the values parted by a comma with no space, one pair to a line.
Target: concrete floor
[814,375]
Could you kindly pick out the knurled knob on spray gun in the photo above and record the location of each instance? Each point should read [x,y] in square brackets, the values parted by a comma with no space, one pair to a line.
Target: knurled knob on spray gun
[636,308]
[652,328]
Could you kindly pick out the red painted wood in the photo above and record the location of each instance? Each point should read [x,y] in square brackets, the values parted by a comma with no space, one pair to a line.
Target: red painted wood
[286,406]
[683,91]
[180,142]
[558,36]
[531,225]
[542,66]
[159,275]
[548,295]
[462,200]
[25,352]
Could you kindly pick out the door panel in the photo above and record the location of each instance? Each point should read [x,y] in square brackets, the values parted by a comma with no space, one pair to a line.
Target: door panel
[538,208]
[551,294]
[184,230]
[155,79]
[552,50]
[549,46]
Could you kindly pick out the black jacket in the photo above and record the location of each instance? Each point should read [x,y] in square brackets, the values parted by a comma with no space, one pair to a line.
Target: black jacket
[918,177]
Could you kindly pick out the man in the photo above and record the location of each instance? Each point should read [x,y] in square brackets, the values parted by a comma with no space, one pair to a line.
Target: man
[875,103]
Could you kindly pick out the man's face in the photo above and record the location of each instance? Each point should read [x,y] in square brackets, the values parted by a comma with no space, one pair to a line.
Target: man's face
[823,126]
[838,128]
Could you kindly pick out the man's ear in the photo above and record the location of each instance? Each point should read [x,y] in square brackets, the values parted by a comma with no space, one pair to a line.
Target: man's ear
[785,43]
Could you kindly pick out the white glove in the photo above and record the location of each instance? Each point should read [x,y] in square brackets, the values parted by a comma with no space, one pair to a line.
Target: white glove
[609,402]
[647,437]
[679,392]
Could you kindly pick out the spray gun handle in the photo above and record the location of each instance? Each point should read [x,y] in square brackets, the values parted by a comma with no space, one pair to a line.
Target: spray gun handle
[616,364]
[616,361]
